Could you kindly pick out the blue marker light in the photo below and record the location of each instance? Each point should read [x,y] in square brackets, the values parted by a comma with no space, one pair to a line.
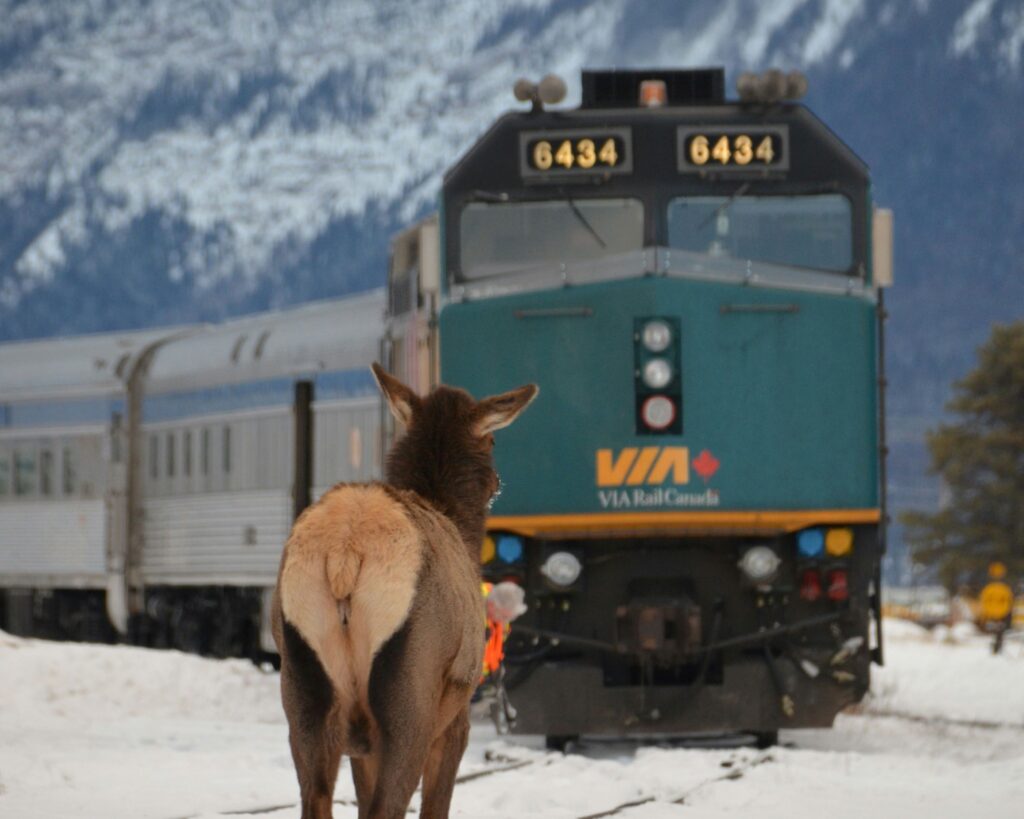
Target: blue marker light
[510,548]
[810,543]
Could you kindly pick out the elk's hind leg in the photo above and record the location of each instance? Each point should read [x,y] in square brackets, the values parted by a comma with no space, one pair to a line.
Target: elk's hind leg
[443,766]
[313,731]
[404,702]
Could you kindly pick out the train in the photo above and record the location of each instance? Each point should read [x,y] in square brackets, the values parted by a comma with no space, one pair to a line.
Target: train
[694,506]
[148,480]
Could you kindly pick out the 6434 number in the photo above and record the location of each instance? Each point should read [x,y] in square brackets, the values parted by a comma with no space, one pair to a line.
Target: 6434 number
[582,153]
[731,149]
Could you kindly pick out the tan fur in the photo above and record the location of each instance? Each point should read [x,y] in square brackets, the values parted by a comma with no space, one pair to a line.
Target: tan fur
[353,556]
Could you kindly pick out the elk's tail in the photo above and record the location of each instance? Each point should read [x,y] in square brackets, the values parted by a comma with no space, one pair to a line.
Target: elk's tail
[347,584]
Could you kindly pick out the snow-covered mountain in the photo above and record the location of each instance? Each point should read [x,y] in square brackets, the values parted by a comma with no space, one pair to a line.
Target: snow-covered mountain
[169,160]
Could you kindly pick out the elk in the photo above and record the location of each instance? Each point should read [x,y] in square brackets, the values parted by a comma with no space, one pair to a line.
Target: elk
[378,614]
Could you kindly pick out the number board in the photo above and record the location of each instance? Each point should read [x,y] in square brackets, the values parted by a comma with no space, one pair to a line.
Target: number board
[560,154]
[730,148]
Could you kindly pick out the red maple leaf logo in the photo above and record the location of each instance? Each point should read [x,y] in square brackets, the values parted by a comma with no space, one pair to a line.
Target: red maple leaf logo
[705,465]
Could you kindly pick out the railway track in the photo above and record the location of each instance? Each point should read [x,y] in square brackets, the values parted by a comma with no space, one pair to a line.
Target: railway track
[733,773]
[507,765]
[950,722]
[733,769]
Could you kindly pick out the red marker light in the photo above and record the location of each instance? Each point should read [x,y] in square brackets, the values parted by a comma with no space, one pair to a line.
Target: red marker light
[838,587]
[810,585]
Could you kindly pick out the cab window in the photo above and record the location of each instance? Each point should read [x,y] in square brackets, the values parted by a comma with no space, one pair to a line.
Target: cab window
[505,237]
[797,231]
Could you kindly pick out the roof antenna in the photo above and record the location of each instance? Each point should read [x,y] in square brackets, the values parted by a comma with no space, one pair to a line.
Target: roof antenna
[550,90]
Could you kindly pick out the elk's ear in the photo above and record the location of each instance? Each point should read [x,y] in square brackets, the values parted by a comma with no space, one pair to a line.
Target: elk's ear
[501,410]
[400,398]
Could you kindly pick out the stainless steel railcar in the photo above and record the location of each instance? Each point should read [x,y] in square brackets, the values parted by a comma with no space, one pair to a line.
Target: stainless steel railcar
[148,480]
[61,477]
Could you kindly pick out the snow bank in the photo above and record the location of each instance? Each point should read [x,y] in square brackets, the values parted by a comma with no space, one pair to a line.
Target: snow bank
[81,681]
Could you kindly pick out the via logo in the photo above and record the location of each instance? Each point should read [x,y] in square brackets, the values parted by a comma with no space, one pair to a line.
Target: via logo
[652,466]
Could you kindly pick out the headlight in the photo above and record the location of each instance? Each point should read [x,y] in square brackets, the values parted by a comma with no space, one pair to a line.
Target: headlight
[657,335]
[759,564]
[658,412]
[562,568]
[657,373]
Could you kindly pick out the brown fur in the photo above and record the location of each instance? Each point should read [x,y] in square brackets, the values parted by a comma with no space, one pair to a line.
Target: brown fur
[378,614]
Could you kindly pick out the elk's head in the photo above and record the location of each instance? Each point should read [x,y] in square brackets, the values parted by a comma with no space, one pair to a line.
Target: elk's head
[446,454]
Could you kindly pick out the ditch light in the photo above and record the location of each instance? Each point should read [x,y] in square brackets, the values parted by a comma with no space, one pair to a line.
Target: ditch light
[760,564]
[562,569]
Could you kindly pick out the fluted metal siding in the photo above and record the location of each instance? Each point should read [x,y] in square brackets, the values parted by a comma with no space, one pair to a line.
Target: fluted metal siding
[59,539]
[201,539]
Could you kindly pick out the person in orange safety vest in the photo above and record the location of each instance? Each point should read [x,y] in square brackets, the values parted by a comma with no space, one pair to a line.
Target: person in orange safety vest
[504,603]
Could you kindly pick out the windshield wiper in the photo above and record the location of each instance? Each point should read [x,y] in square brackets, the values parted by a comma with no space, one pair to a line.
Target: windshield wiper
[489,196]
[585,222]
[742,189]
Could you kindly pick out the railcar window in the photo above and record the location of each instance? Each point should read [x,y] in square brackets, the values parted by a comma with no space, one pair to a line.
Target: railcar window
[5,476]
[186,453]
[46,472]
[509,236]
[800,231]
[170,454]
[154,457]
[204,452]
[69,475]
[115,438]
[24,472]
[227,450]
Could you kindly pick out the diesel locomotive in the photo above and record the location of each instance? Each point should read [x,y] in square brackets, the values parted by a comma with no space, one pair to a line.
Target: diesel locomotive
[695,504]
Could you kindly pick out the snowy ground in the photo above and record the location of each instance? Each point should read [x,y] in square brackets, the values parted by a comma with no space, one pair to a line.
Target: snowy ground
[120,732]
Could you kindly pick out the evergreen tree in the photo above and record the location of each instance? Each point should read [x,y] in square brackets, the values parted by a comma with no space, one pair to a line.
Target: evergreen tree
[980,458]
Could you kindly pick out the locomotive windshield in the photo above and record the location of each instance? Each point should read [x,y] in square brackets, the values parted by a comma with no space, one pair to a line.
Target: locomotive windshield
[503,237]
[799,231]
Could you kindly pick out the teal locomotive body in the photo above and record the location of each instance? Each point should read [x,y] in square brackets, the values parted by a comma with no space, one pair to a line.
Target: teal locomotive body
[694,504]
[777,388]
